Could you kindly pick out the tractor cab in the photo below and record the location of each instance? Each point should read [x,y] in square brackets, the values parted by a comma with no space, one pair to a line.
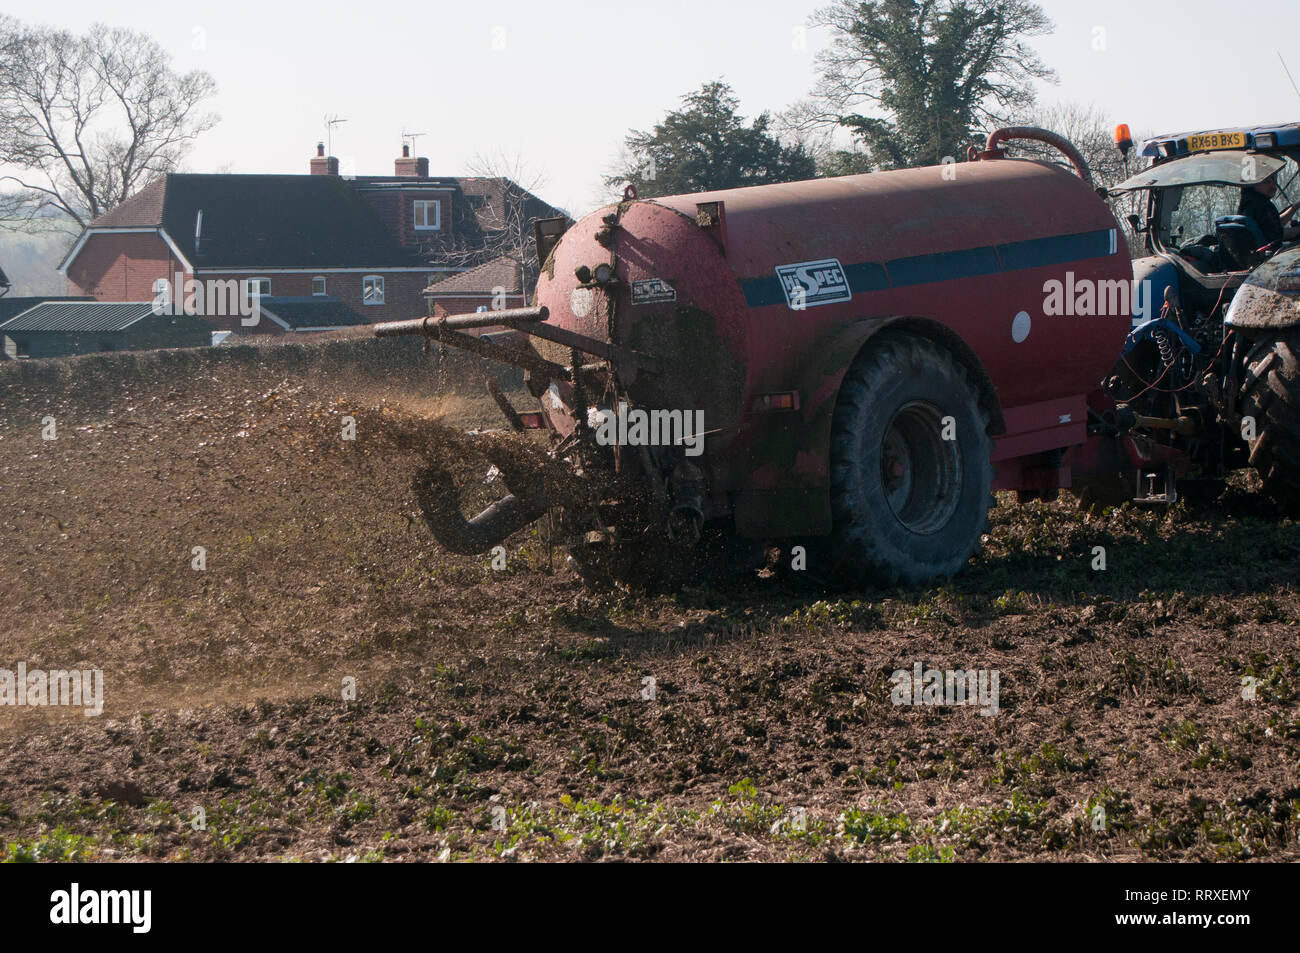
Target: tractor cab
[1213,206]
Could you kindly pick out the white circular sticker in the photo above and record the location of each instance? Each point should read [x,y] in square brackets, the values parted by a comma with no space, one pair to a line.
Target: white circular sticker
[1020,327]
[580,301]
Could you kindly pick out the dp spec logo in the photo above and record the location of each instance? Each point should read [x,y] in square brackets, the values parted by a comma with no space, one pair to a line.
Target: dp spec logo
[810,283]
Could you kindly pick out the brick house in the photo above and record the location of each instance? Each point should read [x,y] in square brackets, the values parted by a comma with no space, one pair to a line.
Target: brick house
[373,243]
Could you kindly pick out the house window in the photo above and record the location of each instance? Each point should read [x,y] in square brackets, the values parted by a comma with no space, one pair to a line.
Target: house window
[372,289]
[427,216]
[257,286]
[318,285]
[162,294]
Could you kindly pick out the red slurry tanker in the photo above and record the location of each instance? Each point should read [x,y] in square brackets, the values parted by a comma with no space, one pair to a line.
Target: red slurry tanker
[868,356]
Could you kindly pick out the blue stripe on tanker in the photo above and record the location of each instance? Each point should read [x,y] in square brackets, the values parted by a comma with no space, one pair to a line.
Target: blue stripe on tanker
[865,277]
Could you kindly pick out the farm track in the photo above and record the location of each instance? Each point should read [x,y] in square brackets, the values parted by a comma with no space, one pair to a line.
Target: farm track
[503,714]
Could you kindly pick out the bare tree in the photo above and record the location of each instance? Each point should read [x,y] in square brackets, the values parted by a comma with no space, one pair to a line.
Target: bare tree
[499,163]
[1085,125]
[90,119]
[496,221]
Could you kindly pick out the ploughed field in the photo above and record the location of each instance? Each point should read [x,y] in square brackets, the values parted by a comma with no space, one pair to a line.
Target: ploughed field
[513,714]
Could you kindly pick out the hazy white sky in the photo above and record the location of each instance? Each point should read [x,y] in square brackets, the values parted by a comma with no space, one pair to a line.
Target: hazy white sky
[561,82]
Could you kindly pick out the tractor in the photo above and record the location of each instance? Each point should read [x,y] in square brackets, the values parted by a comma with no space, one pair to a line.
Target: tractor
[1209,376]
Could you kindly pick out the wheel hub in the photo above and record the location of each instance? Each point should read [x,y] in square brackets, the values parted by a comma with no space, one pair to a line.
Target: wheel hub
[919,470]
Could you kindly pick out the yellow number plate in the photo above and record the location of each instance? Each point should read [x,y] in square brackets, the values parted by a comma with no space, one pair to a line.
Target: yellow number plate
[1216,140]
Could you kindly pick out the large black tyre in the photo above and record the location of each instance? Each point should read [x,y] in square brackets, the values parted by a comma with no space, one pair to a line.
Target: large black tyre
[1271,394]
[907,505]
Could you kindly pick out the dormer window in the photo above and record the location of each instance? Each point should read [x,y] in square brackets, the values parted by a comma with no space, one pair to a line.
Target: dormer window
[427,216]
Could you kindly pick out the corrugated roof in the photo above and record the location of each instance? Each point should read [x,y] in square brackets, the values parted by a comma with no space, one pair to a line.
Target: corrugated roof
[79,316]
[11,305]
[315,311]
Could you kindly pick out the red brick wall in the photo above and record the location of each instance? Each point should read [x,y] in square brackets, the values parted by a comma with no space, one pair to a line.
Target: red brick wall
[403,294]
[397,211]
[124,267]
[121,267]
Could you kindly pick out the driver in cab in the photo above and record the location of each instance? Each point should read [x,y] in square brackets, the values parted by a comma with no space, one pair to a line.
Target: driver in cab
[1257,204]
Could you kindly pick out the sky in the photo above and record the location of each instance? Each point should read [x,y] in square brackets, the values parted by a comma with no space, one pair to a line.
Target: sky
[557,85]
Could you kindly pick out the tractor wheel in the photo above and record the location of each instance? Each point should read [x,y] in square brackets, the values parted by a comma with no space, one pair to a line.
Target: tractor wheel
[1271,395]
[907,504]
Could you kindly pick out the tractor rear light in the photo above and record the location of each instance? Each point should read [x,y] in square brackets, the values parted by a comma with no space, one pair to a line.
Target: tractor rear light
[781,400]
[1265,140]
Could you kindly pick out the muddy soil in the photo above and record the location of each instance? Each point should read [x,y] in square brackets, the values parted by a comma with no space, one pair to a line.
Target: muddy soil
[329,685]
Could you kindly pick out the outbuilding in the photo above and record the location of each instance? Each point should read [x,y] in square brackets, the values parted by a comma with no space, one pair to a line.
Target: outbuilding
[64,328]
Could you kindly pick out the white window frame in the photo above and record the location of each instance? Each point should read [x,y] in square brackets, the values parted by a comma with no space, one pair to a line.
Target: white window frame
[368,299]
[323,286]
[424,204]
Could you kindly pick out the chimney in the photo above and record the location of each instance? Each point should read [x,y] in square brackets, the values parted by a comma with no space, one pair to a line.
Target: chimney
[322,164]
[406,166]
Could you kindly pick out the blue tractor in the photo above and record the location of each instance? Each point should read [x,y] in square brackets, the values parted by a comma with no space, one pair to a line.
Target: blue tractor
[1211,370]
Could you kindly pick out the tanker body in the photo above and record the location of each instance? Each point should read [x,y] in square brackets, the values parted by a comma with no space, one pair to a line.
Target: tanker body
[852,364]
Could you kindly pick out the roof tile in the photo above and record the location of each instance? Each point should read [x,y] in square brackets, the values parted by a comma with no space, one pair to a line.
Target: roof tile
[485,279]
